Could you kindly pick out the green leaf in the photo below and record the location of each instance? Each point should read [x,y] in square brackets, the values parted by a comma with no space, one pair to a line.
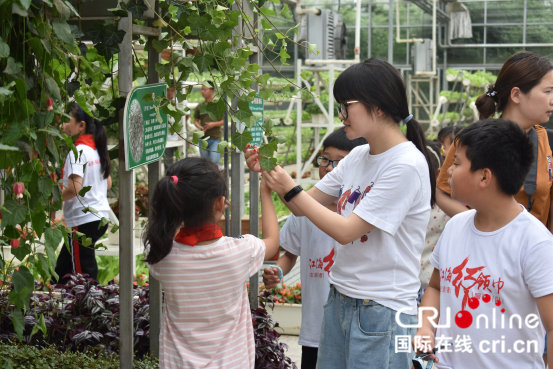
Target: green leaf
[97,33]
[268,149]
[107,51]
[46,45]
[266,94]
[137,8]
[53,88]
[38,220]
[283,55]
[196,21]
[280,139]
[240,140]
[76,31]
[13,213]
[203,61]
[22,279]
[286,12]
[279,35]
[113,37]
[13,67]
[160,23]
[8,148]
[22,251]
[267,163]
[211,33]
[196,137]
[311,49]
[215,110]
[163,69]
[62,9]
[148,99]
[267,11]
[18,322]
[4,49]
[63,31]
[52,147]
[266,25]
[160,45]
[84,190]
[52,239]
[80,98]
[263,79]
[10,159]
[43,266]
[118,12]
[45,186]
[221,147]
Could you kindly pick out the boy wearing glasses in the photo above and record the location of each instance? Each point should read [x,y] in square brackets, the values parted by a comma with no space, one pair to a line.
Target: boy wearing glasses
[300,237]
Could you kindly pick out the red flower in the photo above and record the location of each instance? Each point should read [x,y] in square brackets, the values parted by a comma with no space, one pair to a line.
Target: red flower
[14,243]
[365,238]
[18,189]
[50,104]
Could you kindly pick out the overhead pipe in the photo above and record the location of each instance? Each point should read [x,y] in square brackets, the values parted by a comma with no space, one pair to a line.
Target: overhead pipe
[449,45]
[434,50]
[398,37]
[300,10]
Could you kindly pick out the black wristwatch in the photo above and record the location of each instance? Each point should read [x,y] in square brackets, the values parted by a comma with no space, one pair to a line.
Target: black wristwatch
[293,192]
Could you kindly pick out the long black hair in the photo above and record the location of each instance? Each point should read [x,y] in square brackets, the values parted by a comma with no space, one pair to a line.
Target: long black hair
[97,130]
[378,85]
[189,202]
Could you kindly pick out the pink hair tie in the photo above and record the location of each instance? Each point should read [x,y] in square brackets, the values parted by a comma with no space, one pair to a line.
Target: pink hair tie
[175,179]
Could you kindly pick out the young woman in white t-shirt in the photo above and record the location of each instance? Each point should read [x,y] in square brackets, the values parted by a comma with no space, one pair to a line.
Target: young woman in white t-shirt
[384,191]
[92,168]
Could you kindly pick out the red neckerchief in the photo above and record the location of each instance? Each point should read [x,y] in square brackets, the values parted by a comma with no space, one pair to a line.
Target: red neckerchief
[87,140]
[192,235]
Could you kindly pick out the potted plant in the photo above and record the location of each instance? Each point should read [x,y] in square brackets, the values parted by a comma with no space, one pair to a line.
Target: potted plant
[287,306]
[316,113]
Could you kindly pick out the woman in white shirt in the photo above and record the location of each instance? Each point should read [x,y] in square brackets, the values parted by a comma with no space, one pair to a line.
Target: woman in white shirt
[92,168]
[384,191]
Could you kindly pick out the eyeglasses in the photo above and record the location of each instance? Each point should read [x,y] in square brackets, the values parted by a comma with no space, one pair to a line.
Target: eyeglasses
[325,162]
[343,108]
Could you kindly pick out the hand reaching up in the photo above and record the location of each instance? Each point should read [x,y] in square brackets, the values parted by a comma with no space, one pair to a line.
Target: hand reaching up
[252,158]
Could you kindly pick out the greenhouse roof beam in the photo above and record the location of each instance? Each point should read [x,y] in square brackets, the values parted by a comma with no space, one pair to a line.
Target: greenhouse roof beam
[426,6]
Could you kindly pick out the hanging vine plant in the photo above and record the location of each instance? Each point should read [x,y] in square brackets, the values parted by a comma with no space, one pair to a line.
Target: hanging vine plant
[44,67]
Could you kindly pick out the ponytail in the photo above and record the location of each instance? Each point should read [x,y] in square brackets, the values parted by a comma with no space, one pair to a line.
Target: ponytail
[101,140]
[524,70]
[97,130]
[382,88]
[187,201]
[416,135]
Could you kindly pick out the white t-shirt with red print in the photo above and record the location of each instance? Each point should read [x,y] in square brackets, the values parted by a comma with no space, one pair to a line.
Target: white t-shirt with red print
[316,251]
[489,282]
[87,166]
[391,191]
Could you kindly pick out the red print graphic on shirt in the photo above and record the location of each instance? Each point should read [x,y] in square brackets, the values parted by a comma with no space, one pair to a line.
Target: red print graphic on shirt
[330,260]
[342,202]
[467,279]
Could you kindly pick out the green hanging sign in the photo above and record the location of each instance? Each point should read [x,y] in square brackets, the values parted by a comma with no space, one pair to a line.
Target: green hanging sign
[145,130]
[256,106]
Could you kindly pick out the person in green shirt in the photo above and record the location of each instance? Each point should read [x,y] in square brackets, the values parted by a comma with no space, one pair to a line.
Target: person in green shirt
[210,128]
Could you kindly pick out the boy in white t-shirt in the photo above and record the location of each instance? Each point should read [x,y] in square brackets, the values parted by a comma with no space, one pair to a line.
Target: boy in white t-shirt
[491,286]
[300,237]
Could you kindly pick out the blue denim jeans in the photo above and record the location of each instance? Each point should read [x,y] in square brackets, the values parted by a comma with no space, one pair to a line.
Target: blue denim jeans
[361,334]
[213,154]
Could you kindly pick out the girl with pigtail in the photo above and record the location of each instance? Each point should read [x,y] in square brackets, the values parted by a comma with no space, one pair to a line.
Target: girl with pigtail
[379,238]
[92,168]
[207,321]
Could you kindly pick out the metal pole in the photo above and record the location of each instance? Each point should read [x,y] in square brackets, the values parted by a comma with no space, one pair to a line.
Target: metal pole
[299,107]
[126,209]
[254,197]
[154,175]
[370,28]
[227,179]
[391,31]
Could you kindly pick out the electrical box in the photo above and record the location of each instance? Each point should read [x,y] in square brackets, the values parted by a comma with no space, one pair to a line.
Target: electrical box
[326,30]
[422,56]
